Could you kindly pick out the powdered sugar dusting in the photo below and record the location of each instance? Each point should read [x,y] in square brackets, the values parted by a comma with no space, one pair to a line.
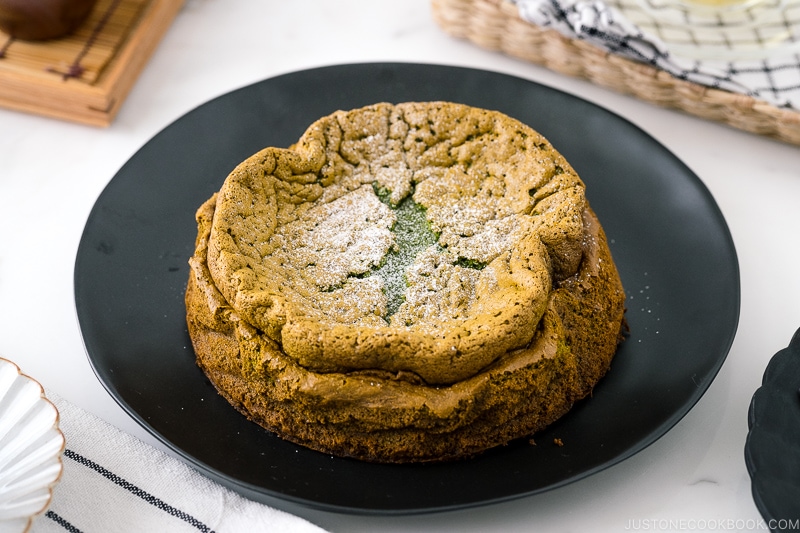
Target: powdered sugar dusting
[335,240]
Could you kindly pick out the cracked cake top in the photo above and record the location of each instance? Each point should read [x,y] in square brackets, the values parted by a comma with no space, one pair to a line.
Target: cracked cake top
[418,238]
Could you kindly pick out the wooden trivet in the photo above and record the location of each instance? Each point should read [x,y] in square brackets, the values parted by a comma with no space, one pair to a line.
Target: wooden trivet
[85,76]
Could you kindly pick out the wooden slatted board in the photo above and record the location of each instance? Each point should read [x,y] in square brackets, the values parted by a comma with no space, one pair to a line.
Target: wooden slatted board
[84,77]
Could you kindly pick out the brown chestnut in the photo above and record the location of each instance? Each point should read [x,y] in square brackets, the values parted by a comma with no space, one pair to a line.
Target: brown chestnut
[36,20]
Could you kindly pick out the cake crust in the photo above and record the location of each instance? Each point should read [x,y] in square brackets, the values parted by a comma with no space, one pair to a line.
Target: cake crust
[510,316]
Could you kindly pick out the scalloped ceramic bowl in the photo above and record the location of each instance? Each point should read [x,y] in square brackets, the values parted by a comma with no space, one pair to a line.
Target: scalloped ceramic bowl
[772,448]
[31,448]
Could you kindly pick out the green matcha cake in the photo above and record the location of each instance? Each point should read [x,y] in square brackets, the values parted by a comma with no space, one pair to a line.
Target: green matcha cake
[411,282]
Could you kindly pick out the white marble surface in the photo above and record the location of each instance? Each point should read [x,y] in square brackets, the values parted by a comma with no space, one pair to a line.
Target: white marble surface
[51,173]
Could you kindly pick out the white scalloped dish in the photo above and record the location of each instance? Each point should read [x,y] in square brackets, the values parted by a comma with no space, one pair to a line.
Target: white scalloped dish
[31,448]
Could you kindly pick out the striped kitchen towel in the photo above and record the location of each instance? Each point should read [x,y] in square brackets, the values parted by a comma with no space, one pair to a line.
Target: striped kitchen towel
[114,483]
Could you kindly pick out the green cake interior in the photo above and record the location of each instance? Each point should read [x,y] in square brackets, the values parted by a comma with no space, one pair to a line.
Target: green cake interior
[413,234]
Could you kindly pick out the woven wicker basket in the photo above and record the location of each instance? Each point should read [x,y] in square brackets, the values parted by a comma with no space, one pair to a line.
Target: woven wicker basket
[496,25]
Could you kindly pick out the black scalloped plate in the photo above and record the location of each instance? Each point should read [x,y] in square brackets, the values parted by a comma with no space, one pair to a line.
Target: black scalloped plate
[669,240]
[772,448]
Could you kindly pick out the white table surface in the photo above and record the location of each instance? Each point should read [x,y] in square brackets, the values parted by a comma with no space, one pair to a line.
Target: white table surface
[51,172]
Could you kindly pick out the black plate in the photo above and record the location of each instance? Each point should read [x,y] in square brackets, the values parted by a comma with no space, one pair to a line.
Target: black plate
[670,241]
[772,448]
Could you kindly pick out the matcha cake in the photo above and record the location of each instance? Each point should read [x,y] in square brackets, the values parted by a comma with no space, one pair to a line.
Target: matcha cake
[412,282]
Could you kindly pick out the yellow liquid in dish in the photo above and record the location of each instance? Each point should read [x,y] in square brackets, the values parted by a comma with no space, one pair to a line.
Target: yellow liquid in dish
[720,3]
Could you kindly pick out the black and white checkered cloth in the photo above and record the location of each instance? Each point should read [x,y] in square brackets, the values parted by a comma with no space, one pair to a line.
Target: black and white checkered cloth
[741,58]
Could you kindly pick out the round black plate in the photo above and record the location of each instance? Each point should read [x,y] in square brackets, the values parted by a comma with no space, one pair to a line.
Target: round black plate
[668,237]
[772,448]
